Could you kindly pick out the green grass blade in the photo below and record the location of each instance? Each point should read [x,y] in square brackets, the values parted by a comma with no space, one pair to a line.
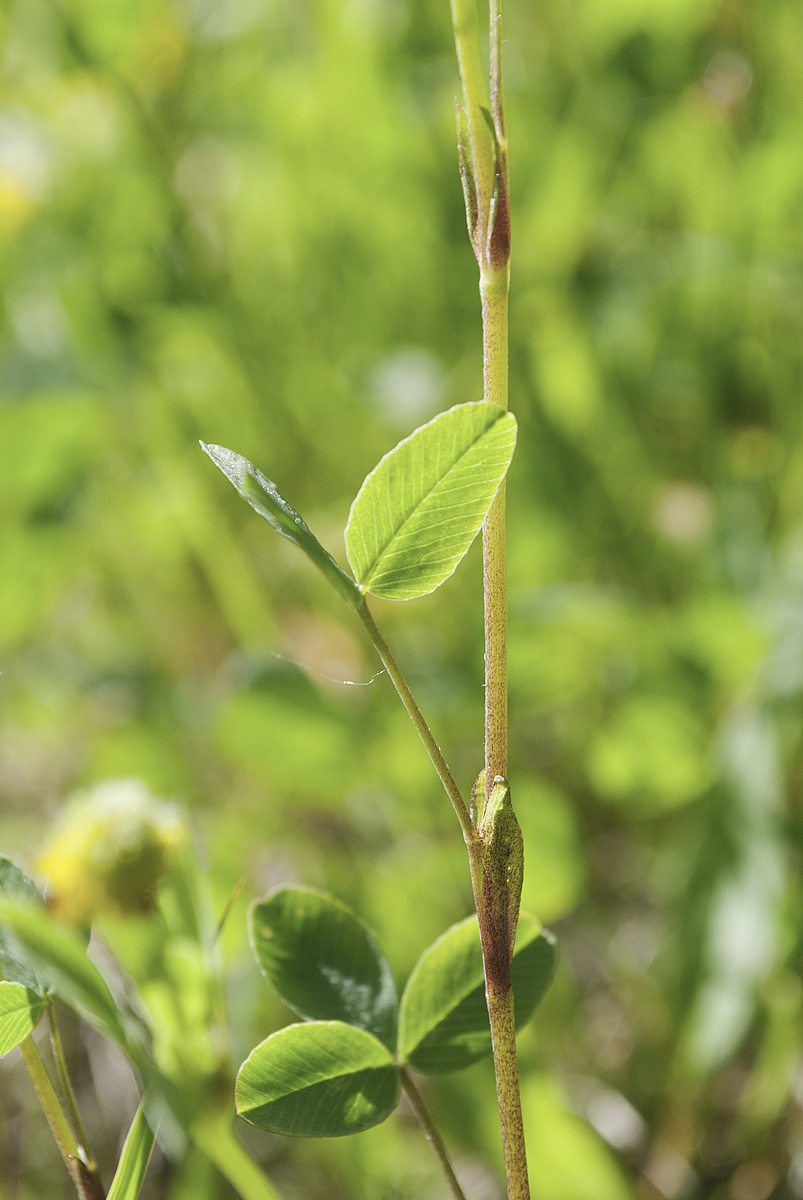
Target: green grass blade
[134,1159]
[419,510]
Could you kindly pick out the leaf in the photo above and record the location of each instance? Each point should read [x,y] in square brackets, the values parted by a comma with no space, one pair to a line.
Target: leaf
[443,1022]
[14,965]
[419,510]
[265,498]
[323,961]
[59,956]
[322,1079]
[20,1010]
[134,1159]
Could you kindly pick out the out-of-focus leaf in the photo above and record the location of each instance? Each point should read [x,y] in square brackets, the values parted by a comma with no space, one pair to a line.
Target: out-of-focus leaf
[196,1178]
[323,961]
[17,887]
[322,1079]
[652,756]
[443,1022]
[288,744]
[553,861]
[421,507]
[59,955]
[46,445]
[20,1010]
[133,1163]
[264,498]
[572,1159]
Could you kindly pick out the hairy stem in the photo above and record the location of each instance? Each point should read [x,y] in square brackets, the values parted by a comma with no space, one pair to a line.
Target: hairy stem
[66,1087]
[506,1064]
[430,1132]
[498,991]
[488,213]
[495,588]
[87,1184]
[424,732]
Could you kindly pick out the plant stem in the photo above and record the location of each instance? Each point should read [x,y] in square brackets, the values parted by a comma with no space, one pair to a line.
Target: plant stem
[416,716]
[494,294]
[66,1087]
[430,1131]
[499,991]
[86,1182]
[506,1066]
[469,61]
[490,237]
[495,589]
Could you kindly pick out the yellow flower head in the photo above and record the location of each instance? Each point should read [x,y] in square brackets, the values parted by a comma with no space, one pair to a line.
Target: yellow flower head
[110,849]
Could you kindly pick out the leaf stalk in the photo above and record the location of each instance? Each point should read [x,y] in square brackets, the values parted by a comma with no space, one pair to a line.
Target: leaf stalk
[416,716]
[67,1089]
[430,1132]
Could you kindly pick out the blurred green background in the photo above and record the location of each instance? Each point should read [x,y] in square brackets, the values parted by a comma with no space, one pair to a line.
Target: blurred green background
[240,220]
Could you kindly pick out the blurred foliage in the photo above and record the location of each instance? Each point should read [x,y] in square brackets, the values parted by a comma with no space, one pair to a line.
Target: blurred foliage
[240,220]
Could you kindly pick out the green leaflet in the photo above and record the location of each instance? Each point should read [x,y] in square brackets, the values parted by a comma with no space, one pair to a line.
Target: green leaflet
[419,510]
[59,955]
[323,961]
[14,963]
[321,1079]
[264,498]
[443,1021]
[20,1010]
[134,1159]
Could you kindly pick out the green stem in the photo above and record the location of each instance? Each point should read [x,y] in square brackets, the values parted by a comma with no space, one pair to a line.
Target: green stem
[87,1184]
[66,1087]
[416,716]
[500,1002]
[506,1065]
[430,1132]
[494,295]
[469,61]
[216,1139]
[495,57]
[495,588]
[499,992]
[492,250]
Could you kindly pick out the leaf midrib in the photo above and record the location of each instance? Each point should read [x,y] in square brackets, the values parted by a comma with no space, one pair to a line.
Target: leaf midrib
[385,550]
